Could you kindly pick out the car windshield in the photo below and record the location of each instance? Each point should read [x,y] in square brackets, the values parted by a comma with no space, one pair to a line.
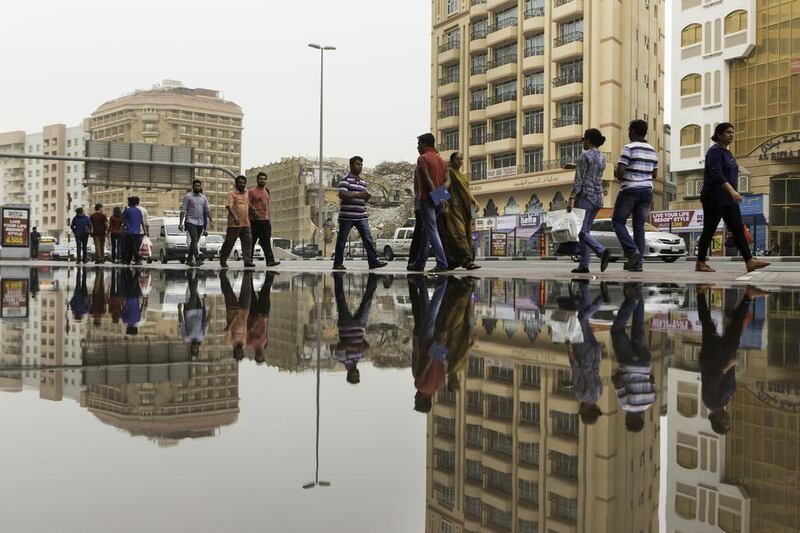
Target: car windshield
[214,238]
[172,230]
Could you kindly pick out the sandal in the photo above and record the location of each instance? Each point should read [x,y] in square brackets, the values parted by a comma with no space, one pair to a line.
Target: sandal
[702,267]
[755,265]
[472,266]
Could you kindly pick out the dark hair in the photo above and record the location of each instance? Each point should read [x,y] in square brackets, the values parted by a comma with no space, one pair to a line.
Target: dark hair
[240,176]
[135,200]
[98,206]
[589,413]
[427,139]
[634,422]
[638,127]
[454,154]
[197,181]
[353,376]
[131,201]
[79,211]
[117,211]
[720,421]
[594,136]
[719,129]
[262,173]
[131,330]
[356,158]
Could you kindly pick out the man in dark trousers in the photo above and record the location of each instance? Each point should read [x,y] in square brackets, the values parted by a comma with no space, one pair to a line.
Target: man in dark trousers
[238,206]
[432,173]
[99,230]
[81,227]
[352,326]
[260,225]
[36,237]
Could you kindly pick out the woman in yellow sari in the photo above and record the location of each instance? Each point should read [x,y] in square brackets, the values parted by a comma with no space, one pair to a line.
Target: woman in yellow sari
[455,228]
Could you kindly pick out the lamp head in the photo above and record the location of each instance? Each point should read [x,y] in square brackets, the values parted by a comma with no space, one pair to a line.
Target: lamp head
[313,45]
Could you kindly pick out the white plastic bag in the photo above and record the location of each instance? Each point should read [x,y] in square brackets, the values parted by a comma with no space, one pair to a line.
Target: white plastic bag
[564,326]
[565,226]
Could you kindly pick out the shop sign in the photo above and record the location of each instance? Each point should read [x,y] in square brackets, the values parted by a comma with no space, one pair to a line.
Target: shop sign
[13,298]
[784,395]
[752,205]
[781,148]
[689,219]
[15,227]
[529,220]
[485,223]
[499,245]
[506,222]
[501,172]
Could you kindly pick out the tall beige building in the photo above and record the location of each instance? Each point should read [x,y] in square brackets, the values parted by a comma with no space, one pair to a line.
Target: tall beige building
[171,114]
[12,171]
[516,82]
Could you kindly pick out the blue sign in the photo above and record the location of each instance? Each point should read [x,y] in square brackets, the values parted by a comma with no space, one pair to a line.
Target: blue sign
[752,205]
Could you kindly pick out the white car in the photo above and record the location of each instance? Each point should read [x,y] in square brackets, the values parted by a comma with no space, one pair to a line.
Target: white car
[211,245]
[658,244]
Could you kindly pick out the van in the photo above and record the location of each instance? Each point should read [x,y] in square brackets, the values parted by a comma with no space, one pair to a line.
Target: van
[168,242]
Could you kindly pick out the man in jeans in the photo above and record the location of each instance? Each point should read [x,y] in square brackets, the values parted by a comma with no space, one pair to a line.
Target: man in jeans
[99,230]
[636,169]
[353,212]
[238,206]
[81,227]
[432,173]
[259,218]
[133,222]
[196,218]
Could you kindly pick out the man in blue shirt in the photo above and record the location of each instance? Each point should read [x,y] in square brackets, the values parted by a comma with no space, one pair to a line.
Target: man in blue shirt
[81,227]
[195,218]
[133,222]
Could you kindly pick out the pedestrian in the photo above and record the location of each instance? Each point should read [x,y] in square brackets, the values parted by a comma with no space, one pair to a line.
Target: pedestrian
[432,174]
[194,219]
[416,235]
[636,169]
[81,227]
[99,300]
[259,218]
[145,215]
[585,357]
[455,228]
[115,296]
[193,317]
[352,326]
[353,213]
[115,229]
[720,200]
[428,357]
[99,230]
[258,320]
[587,194]
[132,221]
[135,303]
[79,304]
[238,206]
[35,239]
[237,311]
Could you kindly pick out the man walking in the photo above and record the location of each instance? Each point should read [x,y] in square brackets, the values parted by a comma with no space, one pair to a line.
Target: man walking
[636,169]
[352,326]
[81,227]
[36,237]
[99,230]
[353,212]
[132,221]
[259,218]
[195,218]
[238,206]
[432,174]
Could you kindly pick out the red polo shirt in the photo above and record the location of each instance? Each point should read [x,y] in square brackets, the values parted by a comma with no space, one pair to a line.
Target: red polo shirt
[436,167]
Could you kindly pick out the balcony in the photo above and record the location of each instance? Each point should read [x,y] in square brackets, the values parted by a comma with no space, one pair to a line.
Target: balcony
[567,120]
[567,9]
[448,119]
[449,51]
[567,46]
[505,31]
[567,86]
[505,104]
[534,58]
[566,128]
[448,85]
[478,75]
[497,143]
[480,103]
[477,140]
[534,20]
[504,67]
[478,7]
[533,96]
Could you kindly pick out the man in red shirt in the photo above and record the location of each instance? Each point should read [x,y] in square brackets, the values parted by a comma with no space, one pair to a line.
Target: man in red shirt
[261,228]
[99,230]
[431,173]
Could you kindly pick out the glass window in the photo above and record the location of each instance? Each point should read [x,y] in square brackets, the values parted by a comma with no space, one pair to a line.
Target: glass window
[534,82]
[534,121]
[505,91]
[736,21]
[451,140]
[571,109]
[506,18]
[691,34]
[690,135]
[534,45]
[729,521]
[480,28]
[477,98]
[451,73]
[505,54]
[687,457]
[529,413]
[450,106]
[477,133]
[569,151]
[529,491]
[477,168]
[691,84]
[504,161]
[478,64]
[504,128]
[573,26]
[452,6]
[685,506]
[571,71]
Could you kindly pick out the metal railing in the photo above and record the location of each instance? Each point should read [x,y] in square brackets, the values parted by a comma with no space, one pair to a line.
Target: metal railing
[502,25]
[477,140]
[534,12]
[533,89]
[500,135]
[534,51]
[559,3]
[448,112]
[566,79]
[450,45]
[499,62]
[536,127]
[567,38]
[478,104]
[479,33]
[567,120]
[478,69]
[505,97]
[449,79]
[477,2]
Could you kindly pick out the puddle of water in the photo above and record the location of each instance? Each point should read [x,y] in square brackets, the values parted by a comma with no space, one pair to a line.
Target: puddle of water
[394,403]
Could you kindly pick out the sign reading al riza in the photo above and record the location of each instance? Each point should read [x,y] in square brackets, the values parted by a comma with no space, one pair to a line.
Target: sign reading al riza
[780,148]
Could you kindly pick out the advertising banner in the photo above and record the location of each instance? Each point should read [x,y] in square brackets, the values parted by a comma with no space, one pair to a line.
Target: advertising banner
[13,298]
[499,244]
[505,223]
[16,227]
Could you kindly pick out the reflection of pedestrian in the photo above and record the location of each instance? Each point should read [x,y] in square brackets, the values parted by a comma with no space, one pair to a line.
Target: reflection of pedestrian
[718,358]
[193,317]
[80,296]
[115,229]
[237,311]
[352,326]
[34,277]
[135,304]
[429,355]
[35,238]
[584,359]
[258,321]
[454,326]
[115,295]
[98,297]
[633,379]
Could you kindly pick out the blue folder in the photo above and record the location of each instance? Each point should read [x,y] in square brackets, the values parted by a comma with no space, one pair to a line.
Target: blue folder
[440,195]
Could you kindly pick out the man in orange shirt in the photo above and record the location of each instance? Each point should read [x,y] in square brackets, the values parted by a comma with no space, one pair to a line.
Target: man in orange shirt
[239,210]
[260,225]
[431,173]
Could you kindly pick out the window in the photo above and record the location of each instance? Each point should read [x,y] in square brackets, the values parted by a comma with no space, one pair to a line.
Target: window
[569,113]
[450,106]
[529,413]
[445,426]
[534,82]
[729,521]
[506,18]
[504,128]
[687,399]
[478,64]
[474,470]
[504,55]
[570,72]
[534,45]
[564,465]
[534,162]
[475,367]
[691,84]
[477,98]
[500,443]
[450,73]
[529,453]
[531,375]
[499,481]
[569,152]
[480,28]
[529,491]
[690,135]
[451,140]
[505,91]
[452,6]
[472,506]
[571,28]
[534,121]
[477,134]
[565,423]
[534,8]
[504,161]
[452,39]
[500,407]
[687,451]
[736,22]
[564,508]
[691,34]
[478,168]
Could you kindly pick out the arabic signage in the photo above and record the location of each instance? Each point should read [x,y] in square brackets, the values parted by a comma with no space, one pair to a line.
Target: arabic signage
[780,148]
[13,298]
[16,227]
[784,395]
[499,244]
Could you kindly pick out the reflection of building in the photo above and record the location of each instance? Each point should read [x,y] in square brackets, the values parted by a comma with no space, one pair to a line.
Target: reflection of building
[293,183]
[508,452]
[172,114]
[515,83]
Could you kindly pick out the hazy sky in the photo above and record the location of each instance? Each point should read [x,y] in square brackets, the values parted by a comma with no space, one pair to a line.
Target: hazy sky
[63,59]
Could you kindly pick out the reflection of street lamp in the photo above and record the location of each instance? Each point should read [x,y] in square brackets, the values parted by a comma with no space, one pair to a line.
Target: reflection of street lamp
[320,195]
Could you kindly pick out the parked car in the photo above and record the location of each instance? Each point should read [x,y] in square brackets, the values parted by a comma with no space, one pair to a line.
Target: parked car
[352,250]
[658,244]
[62,252]
[306,251]
[398,246]
[210,245]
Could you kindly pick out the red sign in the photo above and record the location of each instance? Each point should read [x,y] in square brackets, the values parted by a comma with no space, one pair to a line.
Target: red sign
[13,298]
[15,227]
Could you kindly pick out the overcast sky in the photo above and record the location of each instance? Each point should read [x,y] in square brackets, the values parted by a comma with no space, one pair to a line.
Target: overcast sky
[63,59]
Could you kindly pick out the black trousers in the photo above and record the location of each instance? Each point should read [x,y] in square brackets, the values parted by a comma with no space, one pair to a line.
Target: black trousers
[262,233]
[712,214]
[416,237]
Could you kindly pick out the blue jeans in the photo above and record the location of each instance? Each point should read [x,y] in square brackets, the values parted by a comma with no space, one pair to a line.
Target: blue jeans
[633,349]
[81,242]
[430,236]
[587,240]
[362,226]
[634,202]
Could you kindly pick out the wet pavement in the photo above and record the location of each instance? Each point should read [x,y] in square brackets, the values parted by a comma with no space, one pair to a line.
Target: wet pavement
[165,400]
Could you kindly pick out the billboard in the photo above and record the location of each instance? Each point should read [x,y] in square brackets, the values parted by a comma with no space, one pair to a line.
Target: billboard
[499,244]
[13,298]
[16,227]
[138,175]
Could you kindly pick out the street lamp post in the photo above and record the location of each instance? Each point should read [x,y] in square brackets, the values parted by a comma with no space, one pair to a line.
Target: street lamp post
[320,200]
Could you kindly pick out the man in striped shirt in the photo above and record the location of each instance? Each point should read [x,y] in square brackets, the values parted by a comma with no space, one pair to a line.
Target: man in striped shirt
[353,198]
[352,326]
[636,169]
[633,379]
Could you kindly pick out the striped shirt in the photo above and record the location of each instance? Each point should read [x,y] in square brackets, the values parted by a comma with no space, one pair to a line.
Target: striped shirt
[640,160]
[637,393]
[352,208]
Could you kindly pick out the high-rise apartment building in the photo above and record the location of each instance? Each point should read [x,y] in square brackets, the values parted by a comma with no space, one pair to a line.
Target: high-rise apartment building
[12,171]
[171,114]
[516,82]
